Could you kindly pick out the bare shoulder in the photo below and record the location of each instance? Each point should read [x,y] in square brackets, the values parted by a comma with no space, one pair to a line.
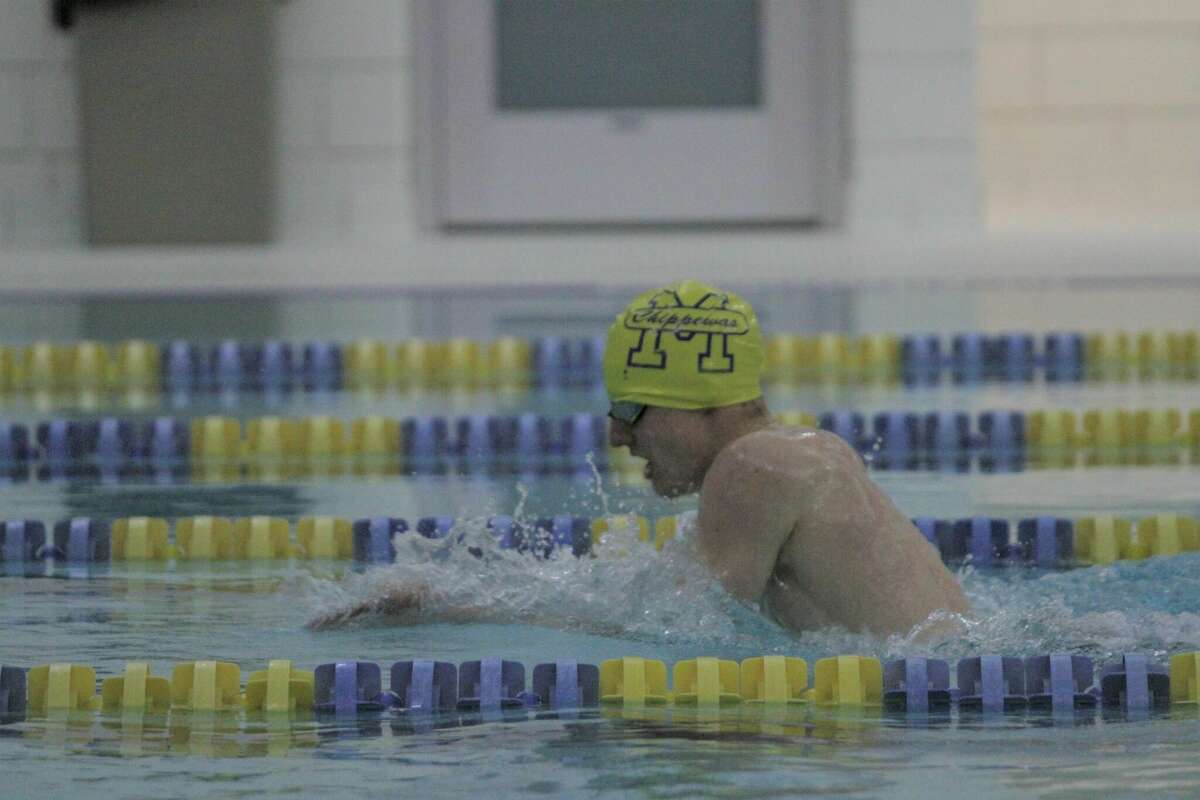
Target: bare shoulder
[772,470]
[786,454]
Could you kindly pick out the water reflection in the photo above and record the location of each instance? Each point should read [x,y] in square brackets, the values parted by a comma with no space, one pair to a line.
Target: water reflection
[741,752]
[231,734]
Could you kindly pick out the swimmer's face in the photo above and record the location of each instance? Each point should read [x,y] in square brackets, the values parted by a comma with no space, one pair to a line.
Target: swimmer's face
[675,443]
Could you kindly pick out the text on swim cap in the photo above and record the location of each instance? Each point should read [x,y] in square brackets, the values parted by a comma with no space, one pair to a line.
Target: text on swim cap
[668,315]
[665,320]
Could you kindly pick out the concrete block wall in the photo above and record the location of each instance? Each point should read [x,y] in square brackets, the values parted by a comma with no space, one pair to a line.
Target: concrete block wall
[345,89]
[913,117]
[39,152]
[346,156]
[1090,113]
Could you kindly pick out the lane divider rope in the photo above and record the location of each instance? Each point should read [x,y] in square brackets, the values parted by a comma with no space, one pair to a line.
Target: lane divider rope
[915,685]
[115,448]
[512,362]
[985,542]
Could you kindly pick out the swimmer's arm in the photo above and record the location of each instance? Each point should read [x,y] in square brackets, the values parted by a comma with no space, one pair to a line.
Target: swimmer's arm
[402,606]
[747,512]
[413,605]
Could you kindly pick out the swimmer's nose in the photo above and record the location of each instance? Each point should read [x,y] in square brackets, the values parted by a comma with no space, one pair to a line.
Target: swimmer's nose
[619,434]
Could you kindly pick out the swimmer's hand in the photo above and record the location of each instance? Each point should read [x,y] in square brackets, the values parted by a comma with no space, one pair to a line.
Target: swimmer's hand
[400,606]
[416,603]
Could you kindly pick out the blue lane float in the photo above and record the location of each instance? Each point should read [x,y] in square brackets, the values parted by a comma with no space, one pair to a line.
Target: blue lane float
[916,685]
[424,686]
[1001,441]
[921,359]
[546,536]
[947,440]
[984,539]
[1011,358]
[13,691]
[270,366]
[22,541]
[589,365]
[934,530]
[273,369]
[566,685]
[491,684]
[321,367]
[561,362]
[61,440]
[476,438]
[347,688]
[1063,357]
[1002,431]
[848,425]
[897,437]
[1135,684]
[939,440]
[169,440]
[228,363]
[585,436]
[563,531]
[551,361]
[64,447]
[373,539]
[81,540]
[110,442]
[991,684]
[425,443]
[1045,541]
[115,441]
[1059,682]
[968,358]
[181,368]
[435,527]
[980,540]
[14,443]
[531,437]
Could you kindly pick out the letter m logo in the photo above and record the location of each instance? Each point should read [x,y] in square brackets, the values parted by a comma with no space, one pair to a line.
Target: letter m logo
[709,321]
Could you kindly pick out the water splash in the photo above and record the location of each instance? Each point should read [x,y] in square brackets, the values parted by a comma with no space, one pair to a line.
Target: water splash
[598,483]
[631,592]
[522,500]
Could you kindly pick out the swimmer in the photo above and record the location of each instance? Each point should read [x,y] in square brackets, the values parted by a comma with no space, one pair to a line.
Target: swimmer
[789,520]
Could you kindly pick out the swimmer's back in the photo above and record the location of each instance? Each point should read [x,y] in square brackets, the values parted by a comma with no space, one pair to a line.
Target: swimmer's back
[795,509]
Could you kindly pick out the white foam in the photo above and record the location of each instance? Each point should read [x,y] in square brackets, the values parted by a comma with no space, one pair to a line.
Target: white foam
[631,591]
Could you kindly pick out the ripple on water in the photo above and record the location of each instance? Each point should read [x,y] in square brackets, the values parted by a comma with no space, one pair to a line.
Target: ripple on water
[634,593]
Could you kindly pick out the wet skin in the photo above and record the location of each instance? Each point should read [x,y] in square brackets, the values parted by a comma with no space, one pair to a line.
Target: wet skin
[790,520]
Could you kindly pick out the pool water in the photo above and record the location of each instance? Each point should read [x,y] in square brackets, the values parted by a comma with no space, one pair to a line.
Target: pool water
[639,602]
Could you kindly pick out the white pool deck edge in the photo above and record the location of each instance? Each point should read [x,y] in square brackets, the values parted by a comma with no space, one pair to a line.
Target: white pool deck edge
[466,262]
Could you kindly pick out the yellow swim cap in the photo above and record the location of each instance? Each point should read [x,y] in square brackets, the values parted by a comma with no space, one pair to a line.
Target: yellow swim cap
[686,345]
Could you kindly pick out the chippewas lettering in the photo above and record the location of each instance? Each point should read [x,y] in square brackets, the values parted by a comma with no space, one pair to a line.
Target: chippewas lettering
[708,321]
[678,320]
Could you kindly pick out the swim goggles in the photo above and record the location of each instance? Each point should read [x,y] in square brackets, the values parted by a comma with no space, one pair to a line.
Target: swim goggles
[626,411]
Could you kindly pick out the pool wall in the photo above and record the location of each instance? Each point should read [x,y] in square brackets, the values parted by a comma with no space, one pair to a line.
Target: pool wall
[485,287]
